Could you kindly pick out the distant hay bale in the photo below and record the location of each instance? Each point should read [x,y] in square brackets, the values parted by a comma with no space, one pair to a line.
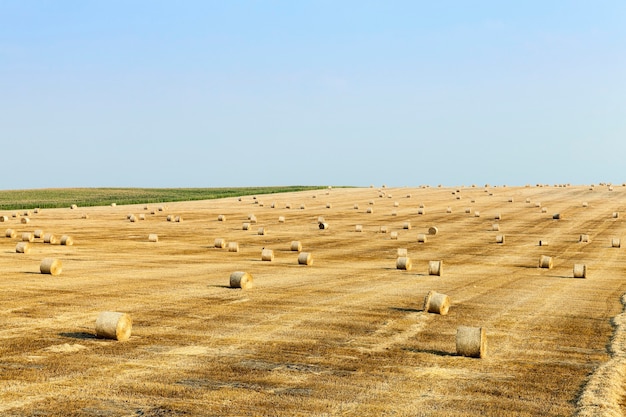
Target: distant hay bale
[432,230]
[543,243]
[10,233]
[295,246]
[305,258]
[557,216]
[495,227]
[421,238]
[421,206]
[580,271]
[67,240]
[178,219]
[537,204]
[142,216]
[404,263]
[36,210]
[221,218]
[14,215]
[252,218]
[408,196]
[51,266]
[22,247]
[273,205]
[233,247]
[323,226]
[161,208]
[435,268]
[435,302]
[511,200]
[394,235]
[132,218]
[113,204]
[421,211]
[153,237]
[25,220]
[371,202]
[584,238]
[27,237]
[281,219]
[328,205]
[402,252]
[471,342]
[85,216]
[267,255]
[240,279]
[114,325]
[498,216]
[544,210]
[396,204]
[358,228]
[545,262]
[449,210]
[288,205]
[468,210]
[615,242]
[261,231]
[49,238]
[38,234]
[356,206]
[500,239]
[245,226]
[406,226]
[169,218]
[477,214]
[383,229]
[528,200]
[370,210]
[320,219]
[73,206]
[219,243]
[585,204]
[615,215]
[4,219]
[394,213]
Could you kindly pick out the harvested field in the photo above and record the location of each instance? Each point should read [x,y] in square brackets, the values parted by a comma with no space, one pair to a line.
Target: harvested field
[345,336]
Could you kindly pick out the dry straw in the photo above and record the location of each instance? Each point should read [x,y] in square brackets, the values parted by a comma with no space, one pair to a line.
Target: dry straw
[471,342]
[233,247]
[27,237]
[580,271]
[615,242]
[438,303]
[219,243]
[22,247]
[296,246]
[132,218]
[240,279]
[169,218]
[421,211]
[328,205]
[267,255]
[477,214]
[585,204]
[500,239]
[302,206]
[404,263]
[51,266]
[435,268]
[545,262]
[49,238]
[67,240]
[432,230]
[73,206]
[305,258]
[421,238]
[153,237]
[114,325]
[468,210]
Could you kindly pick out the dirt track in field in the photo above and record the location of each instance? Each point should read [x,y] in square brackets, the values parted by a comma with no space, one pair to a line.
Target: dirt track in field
[346,336]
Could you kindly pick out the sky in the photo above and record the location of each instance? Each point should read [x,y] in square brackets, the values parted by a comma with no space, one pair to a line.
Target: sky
[203,93]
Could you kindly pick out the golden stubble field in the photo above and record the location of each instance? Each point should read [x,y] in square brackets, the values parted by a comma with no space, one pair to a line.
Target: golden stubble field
[345,336]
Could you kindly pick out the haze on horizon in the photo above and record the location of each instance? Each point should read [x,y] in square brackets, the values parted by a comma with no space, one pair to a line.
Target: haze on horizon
[229,94]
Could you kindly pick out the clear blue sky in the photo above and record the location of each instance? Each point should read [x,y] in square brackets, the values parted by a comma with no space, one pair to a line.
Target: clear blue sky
[238,93]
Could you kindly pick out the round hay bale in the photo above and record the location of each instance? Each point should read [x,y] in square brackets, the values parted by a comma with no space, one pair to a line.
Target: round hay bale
[219,243]
[305,258]
[27,237]
[4,219]
[421,206]
[500,239]
[404,263]
[281,219]
[261,231]
[252,218]
[267,255]
[36,210]
[113,204]
[49,238]
[468,210]
[371,202]
[288,205]
[86,216]
[438,303]
[543,243]
[495,227]
[132,218]
[435,268]
[394,235]
[51,266]
[449,210]
[498,216]
[22,247]
[545,262]
[615,215]
[477,214]
[114,325]
[25,220]
[421,238]
[432,230]
[323,226]
[580,271]
[356,206]
[544,210]
[178,219]
[73,206]
[14,215]
[67,240]
[221,218]
[402,252]
[142,216]
[296,246]
[537,204]
[585,204]
[615,242]
[320,219]
[421,211]
[161,208]
[233,247]
[38,234]
[169,218]
[394,213]
[471,342]
[557,216]
[240,279]
[396,204]
[406,226]
[383,229]
[153,237]
[245,226]
[370,210]
[584,238]
[9,233]
[527,200]
[358,228]
[328,205]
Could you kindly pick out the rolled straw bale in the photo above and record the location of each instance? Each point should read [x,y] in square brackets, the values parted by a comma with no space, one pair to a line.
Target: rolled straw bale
[129,215]
[495,227]
[402,252]
[394,213]
[320,219]
[584,238]
[27,237]
[145,207]
[471,342]
[323,226]
[161,208]
[49,238]
[432,230]
[219,243]
[221,218]
[435,268]
[544,210]
[142,216]
[281,219]
[371,202]
[14,215]
[252,218]
[233,247]
[67,240]
[86,216]
[38,234]
[10,233]
[178,219]
[169,218]
[370,210]
[51,266]
[543,243]
[73,206]
[585,204]
[421,211]
[383,229]
[435,302]
[422,205]
[267,255]
[305,258]
[528,200]
[113,204]
[240,279]
[468,210]
[421,238]
[22,247]
[396,204]
[261,231]
[500,239]
[477,214]
[449,210]
[615,242]
[328,205]
[4,219]
[408,196]
[132,218]
[615,215]
[25,220]
[245,226]
[394,235]
[406,226]
[404,263]
[288,205]
[358,228]
[36,210]
[273,205]
[557,216]
[356,206]
[537,204]
[545,262]
[114,325]
[296,246]
[498,216]
[153,237]
[511,200]
[580,271]
[26,213]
